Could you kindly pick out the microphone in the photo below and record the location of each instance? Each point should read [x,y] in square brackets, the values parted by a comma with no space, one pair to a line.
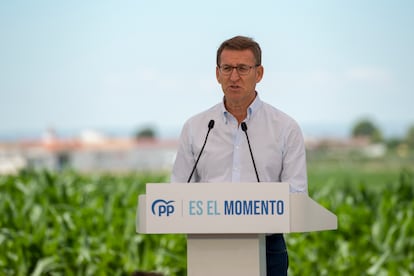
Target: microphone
[244,128]
[210,126]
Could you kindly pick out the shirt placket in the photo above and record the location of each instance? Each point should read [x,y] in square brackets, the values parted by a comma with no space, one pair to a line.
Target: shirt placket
[236,170]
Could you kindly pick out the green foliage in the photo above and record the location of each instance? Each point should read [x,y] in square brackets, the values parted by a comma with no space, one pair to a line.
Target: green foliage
[366,128]
[409,137]
[146,132]
[375,233]
[71,224]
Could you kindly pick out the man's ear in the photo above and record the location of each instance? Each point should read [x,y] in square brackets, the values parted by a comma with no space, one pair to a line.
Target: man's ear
[218,74]
[259,73]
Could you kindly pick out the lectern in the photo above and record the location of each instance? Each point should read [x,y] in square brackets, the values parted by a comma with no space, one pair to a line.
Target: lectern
[226,223]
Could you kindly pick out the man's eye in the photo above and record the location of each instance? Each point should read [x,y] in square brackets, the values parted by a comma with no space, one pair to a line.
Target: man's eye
[243,68]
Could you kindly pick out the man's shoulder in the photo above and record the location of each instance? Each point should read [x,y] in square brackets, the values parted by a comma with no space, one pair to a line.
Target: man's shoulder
[278,115]
[211,113]
[271,109]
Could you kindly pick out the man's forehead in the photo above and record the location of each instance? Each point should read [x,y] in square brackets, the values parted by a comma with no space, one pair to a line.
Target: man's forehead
[229,55]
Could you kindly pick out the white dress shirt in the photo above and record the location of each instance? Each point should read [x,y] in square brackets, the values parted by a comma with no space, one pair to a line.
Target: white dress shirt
[275,138]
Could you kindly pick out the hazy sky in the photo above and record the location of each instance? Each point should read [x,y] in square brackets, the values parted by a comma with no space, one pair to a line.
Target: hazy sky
[126,64]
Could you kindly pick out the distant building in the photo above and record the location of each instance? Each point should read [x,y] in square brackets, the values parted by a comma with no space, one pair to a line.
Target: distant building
[89,153]
[360,145]
[94,152]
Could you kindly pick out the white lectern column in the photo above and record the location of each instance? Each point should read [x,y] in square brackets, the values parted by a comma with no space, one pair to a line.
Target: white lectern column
[221,254]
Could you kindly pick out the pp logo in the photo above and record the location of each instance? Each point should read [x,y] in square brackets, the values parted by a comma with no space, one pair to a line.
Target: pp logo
[161,207]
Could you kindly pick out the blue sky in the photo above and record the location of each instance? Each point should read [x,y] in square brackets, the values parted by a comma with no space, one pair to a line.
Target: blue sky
[76,65]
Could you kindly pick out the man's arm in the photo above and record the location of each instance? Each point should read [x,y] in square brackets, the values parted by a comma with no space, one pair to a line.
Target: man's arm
[294,169]
[184,160]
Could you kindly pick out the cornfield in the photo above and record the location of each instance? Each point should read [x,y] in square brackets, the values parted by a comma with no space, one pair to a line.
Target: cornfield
[65,223]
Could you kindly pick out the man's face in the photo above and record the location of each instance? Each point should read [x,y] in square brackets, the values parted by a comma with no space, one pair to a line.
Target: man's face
[239,89]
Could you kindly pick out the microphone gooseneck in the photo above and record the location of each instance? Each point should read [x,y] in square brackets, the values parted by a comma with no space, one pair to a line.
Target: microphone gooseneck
[210,126]
[244,128]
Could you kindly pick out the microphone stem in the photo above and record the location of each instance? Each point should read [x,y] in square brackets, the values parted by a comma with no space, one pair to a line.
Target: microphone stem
[201,151]
[251,154]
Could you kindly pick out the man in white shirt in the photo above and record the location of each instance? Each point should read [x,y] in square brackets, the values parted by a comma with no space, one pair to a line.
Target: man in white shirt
[276,141]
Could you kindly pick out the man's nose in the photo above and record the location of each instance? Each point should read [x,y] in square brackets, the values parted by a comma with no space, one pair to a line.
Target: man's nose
[234,75]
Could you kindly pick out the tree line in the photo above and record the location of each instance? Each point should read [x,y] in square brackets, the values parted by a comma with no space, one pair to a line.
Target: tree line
[368,129]
[363,128]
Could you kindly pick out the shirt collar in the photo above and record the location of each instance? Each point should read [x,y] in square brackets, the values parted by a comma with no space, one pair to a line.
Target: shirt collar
[251,110]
